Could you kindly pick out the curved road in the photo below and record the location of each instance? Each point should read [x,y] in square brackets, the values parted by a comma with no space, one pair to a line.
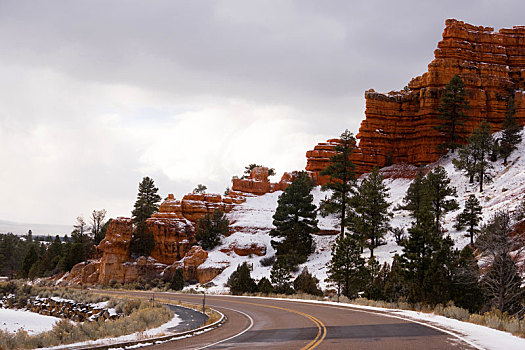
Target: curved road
[255,323]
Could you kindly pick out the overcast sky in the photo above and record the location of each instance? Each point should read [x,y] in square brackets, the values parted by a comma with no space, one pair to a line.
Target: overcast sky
[95,95]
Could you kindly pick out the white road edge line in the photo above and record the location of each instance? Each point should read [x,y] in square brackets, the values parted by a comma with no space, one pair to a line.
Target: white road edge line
[354,308]
[233,336]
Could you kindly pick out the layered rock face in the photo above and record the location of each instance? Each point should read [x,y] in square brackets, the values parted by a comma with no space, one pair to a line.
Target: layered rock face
[399,125]
[115,252]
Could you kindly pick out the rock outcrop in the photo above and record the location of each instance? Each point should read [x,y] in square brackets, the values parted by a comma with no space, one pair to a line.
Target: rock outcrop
[399,125]
[192,269]
[115,252]
[258,184]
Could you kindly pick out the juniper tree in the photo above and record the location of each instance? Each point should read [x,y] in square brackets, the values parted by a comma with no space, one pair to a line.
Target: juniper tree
[452,109]
[347,269]
[147,203]
[306,283]
[210,228]
[200,189]
[177,281]
[511,135]
[341,173]
[240,281]
[295,222]
[265,286]
[470,217]
[370,218]
[437,187]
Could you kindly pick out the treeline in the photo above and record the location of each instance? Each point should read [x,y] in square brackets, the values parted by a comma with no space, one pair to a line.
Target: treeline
[30,257]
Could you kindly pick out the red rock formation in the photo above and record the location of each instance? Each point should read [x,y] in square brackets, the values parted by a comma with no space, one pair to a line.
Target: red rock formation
[115,251]
[258,184]
[399,125]
[192,270]
[249,249]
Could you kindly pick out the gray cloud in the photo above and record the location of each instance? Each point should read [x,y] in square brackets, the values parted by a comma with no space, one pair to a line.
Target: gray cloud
[97,94]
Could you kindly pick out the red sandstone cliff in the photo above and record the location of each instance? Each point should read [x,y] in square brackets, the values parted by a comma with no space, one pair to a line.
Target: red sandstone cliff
[399,125]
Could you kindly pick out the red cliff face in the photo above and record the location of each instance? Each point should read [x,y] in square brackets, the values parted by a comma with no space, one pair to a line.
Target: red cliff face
[399,125]
[258,184]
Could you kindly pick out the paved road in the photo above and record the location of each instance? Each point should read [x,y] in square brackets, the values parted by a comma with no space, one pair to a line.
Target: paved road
[281,324]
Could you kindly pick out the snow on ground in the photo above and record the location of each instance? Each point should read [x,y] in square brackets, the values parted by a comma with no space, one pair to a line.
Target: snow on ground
[150,333]
[252,221]
[12,320]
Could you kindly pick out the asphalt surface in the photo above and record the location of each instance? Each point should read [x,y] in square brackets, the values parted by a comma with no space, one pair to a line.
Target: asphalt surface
[190,319]
[254,323]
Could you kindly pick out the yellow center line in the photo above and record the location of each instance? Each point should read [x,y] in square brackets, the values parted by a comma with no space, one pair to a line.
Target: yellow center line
[321,328]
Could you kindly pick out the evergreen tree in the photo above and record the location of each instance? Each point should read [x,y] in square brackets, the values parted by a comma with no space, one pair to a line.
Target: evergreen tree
[306,283]
[467,161]
[211,228]
[416,199]
[438,189]
[370,219]
[280,277]
[428,262]
[30,258]
[470,217]
[177,281]
[147,203]
[481,142]
[452,113]
[376,289]
[511,132]
[395,286]
[240,281]
[347,268]
[467,292]
[341,172]
[502,284]
[295,222]
[200,189]
[265,286]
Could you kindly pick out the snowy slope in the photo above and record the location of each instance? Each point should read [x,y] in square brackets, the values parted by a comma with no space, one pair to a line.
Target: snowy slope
[252,220]
[33,323]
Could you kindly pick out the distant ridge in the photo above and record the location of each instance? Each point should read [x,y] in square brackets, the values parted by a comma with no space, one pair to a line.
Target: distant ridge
[37,229]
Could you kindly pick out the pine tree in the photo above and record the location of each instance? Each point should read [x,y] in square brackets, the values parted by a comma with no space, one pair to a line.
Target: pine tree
[177,281]
[295,222]
[347,268]
[210,228]
[280,276]
[470,217]
[240,281]
[395,286]
[200,189]
[481,142]
[511,132]
[147,203]
[306,283]
[467,161]
[452,113]
[416,199]
[417,255]
[370,219]
[438,189]
[342,179]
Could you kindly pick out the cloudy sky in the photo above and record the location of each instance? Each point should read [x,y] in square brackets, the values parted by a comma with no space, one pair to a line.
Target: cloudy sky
[96,94]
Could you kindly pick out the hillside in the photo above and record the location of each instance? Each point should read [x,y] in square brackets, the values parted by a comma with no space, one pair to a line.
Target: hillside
[252,220]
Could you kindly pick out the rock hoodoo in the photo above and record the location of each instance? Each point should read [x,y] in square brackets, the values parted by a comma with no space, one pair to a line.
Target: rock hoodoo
[399,125]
